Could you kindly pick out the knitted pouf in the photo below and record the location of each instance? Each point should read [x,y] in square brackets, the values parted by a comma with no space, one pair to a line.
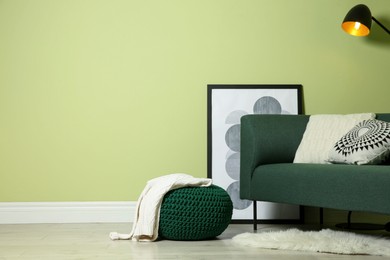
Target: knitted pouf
[195,213]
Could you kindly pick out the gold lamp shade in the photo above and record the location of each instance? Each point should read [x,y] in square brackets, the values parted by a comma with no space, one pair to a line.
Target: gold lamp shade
[358,21]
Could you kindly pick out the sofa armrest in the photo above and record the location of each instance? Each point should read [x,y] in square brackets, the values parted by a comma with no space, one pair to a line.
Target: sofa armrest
[267,139]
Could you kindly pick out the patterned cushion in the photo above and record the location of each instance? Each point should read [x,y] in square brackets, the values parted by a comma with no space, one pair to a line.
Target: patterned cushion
[322,131]
[367,143]
[195,213]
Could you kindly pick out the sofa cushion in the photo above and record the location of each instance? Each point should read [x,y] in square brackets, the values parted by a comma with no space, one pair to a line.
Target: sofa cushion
[337,186]
[322,132]
[367,143]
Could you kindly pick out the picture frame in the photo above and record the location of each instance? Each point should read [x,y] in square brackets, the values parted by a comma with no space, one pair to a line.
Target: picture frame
[225,106]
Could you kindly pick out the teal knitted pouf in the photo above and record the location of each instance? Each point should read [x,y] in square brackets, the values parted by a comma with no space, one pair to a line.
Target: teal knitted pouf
[195,213]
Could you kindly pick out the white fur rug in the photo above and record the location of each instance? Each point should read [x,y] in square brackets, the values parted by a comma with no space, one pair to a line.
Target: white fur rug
[324,241]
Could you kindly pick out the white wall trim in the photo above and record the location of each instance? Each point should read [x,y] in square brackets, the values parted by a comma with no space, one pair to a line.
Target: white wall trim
[66,212]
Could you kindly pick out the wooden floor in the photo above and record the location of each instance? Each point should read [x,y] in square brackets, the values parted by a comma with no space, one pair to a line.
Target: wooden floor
[91,241]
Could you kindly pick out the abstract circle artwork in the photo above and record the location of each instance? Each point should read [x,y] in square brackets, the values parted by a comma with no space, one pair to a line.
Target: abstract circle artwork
[227,104]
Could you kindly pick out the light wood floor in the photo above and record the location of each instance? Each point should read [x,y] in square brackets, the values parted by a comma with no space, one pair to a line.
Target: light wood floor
[91,241]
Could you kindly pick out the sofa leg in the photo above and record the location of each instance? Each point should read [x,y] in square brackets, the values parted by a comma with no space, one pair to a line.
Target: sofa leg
[254,215]
[360,226]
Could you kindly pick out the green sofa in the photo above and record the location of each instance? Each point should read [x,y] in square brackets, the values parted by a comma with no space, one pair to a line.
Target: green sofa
[267,171]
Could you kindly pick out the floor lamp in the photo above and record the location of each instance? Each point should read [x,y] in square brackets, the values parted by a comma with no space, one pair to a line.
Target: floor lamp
[358,21]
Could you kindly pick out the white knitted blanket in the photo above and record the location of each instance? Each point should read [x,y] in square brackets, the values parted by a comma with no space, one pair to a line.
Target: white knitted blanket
[147,215]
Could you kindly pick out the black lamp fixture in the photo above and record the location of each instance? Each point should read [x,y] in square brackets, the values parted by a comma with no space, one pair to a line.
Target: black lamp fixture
[357,22]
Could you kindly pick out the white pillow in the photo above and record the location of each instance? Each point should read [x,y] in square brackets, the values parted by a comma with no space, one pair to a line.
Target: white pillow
[366,143]
[322,132]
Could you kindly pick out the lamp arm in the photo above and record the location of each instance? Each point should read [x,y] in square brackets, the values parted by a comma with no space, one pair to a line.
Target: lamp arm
[381,25]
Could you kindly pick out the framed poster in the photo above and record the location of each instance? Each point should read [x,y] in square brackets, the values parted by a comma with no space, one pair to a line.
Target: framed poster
[226,104]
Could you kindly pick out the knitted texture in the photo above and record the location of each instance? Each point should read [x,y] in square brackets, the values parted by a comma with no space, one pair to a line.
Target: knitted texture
[195,213]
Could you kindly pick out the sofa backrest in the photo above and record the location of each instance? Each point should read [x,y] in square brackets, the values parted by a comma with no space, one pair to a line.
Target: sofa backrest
[277,137]
[383,117]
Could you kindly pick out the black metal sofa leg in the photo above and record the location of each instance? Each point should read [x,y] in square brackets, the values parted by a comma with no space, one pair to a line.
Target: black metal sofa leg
[254,215]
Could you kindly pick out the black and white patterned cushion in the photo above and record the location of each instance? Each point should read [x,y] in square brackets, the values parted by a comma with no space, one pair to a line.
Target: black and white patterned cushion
[367,143]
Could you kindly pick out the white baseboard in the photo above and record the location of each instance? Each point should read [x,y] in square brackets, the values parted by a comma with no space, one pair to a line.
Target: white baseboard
[66,212]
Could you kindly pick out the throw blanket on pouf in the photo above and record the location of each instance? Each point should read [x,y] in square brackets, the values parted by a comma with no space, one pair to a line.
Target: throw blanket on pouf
[147,215]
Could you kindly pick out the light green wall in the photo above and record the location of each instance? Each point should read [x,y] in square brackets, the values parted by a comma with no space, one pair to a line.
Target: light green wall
[98,96]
